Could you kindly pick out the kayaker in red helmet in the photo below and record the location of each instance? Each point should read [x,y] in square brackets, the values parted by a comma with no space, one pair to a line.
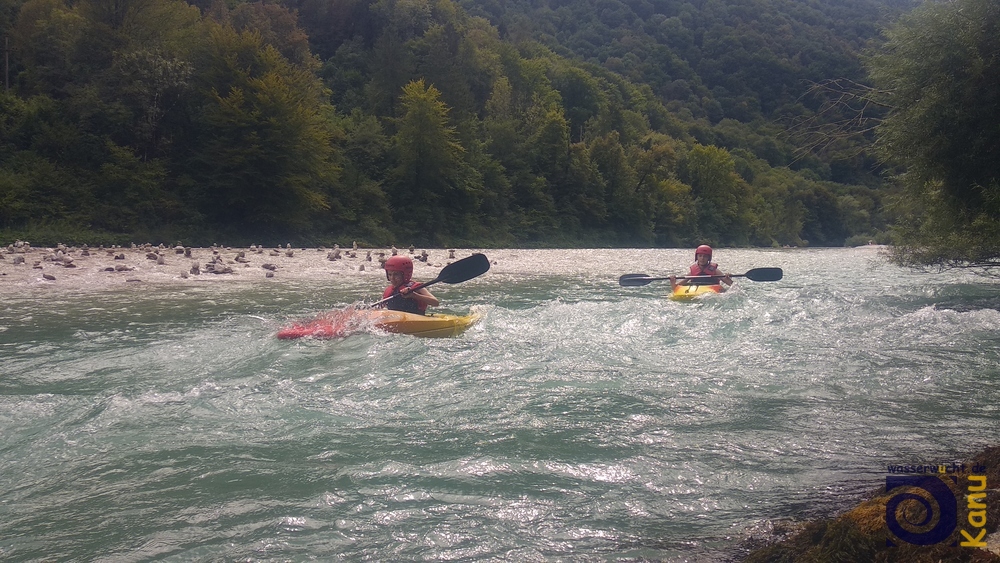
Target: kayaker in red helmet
[399,271]
[703,266]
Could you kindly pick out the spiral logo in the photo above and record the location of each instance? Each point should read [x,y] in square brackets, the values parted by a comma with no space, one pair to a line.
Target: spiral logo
[941,502]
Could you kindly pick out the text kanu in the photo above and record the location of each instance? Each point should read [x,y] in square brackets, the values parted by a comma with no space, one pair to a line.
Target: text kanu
[937,499]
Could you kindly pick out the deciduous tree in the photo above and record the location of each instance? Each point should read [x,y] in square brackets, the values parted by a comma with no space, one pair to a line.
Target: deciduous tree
[431,187]
[263,151]
[940,71]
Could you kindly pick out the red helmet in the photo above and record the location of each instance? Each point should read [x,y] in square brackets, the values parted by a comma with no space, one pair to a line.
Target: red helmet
[399,264]
[703,249]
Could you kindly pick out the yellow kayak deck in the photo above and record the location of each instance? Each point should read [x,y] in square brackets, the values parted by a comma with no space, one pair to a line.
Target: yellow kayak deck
[431,325]
[344,323]
[691,292]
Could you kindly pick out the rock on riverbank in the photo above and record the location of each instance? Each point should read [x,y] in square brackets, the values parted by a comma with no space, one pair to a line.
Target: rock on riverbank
[21,264]
[861,534]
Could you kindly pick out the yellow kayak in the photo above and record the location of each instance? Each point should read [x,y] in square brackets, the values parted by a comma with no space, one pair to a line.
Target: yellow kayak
[691,292]
[431,325]
[339,324]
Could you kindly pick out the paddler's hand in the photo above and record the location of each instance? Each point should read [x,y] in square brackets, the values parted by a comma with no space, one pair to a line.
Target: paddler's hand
[405,293]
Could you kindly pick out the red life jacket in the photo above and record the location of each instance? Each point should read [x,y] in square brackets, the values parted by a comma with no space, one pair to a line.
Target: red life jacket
[711,270]
[401,303]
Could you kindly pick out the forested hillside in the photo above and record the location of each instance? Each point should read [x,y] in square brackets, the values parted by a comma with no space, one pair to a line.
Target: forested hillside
[435,122]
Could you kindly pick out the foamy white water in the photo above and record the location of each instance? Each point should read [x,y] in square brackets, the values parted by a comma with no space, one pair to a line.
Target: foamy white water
[580,420]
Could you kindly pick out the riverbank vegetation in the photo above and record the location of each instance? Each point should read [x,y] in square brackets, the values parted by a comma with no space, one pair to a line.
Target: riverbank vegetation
[937,75]
[437,122]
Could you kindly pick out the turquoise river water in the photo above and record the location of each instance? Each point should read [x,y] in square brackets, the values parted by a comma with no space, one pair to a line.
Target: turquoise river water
[579,421]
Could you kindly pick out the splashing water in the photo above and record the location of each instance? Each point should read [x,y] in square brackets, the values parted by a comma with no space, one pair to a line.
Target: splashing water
[578,420]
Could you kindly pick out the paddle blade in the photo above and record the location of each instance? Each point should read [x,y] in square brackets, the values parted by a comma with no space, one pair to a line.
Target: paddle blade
[764,274]
[634,280]
[464,269]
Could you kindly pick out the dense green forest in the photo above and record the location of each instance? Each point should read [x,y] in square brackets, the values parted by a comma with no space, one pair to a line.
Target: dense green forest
[437,122]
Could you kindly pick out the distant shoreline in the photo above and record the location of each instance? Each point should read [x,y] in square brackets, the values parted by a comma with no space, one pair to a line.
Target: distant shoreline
[110,266]
[85,267]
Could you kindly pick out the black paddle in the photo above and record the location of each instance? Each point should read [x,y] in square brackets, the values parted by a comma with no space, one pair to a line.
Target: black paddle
[456,272]
[756,274]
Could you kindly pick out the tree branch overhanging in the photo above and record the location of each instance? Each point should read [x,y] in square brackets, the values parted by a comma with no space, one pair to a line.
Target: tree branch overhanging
[850,110]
